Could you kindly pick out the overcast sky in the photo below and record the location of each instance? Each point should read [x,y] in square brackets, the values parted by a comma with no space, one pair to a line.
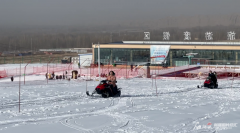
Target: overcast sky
[83,12]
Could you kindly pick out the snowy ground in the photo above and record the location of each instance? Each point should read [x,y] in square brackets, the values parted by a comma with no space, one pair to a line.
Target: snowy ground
[63,107]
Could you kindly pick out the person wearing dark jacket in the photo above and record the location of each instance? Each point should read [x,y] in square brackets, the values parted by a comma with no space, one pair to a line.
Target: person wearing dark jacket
[213,77]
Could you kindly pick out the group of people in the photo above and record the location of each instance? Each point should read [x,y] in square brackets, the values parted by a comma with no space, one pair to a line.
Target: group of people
[213,76]
[60,76]
[52,76]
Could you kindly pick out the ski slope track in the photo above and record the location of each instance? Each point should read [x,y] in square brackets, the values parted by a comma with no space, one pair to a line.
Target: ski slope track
[62,106]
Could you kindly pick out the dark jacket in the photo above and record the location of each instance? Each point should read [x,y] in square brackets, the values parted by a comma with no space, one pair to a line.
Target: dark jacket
[213,77]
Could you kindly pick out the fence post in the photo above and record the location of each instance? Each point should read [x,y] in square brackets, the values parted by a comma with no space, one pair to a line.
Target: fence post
[126,70]
[108,65]
[90,71]
[152,81]
[233,77]
[25,72]
[226,72]
[175,72]
[156,84]
[19,89]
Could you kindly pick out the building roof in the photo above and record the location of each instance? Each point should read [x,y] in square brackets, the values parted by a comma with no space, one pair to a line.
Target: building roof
[85,54]
[173,45]
[183,43]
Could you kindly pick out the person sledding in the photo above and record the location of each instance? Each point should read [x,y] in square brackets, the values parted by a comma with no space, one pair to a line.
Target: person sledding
[213,77]
[108,87]
[211,81]
[112,82]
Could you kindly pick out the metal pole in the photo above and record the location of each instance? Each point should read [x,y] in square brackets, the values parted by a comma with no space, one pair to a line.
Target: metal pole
[189,73]
[126,70]
[19,88]
[25,72]
[156,84]
[126,64]
[86,85]
[233,77]
[99,70]
[189,60]
[47,73]
[90,69]
[175,71]
[152,81]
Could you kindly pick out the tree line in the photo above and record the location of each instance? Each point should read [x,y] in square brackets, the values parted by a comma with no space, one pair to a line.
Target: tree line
[35,40]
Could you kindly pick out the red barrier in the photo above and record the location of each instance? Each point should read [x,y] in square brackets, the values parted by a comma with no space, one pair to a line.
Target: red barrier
[3,74]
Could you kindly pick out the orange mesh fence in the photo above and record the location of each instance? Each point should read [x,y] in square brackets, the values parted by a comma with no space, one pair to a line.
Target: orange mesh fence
[29,70]
[3,74]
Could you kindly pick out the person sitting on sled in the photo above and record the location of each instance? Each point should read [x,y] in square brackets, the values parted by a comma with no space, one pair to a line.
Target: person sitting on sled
[213,77]
[112,81]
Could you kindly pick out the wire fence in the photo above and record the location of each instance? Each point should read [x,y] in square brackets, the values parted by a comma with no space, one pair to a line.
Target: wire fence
[90,70]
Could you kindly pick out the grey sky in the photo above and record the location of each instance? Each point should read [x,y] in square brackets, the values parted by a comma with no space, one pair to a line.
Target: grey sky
[103,12]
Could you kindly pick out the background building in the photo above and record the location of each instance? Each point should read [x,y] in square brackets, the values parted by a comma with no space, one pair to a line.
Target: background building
[75,50]
[138,52]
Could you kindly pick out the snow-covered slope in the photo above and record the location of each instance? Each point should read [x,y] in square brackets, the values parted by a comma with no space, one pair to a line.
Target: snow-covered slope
[62,106]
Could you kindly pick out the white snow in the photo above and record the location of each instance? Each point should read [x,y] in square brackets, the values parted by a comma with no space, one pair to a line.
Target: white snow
[62,106]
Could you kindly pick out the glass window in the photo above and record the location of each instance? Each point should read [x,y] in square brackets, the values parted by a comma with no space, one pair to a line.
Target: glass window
[135,56]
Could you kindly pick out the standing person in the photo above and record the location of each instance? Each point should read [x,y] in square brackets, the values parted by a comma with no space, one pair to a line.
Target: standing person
[63,76]
[53,75]
[66,74]
[131,68]
[12,78]
[112,82]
